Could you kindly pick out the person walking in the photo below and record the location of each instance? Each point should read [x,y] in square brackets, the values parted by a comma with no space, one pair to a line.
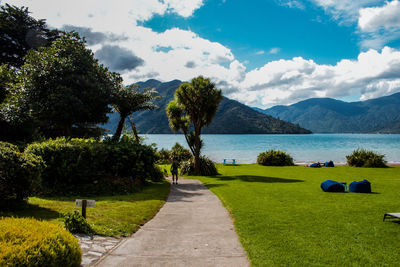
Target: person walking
[174,170]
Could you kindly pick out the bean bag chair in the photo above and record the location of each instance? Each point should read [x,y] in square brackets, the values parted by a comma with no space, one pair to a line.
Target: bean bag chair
[363,186]
[329,164]
[332,186]
[315,165]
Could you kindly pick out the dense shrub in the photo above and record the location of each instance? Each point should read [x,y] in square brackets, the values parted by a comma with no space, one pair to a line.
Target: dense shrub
[178,152]
[28,242]
[76,223]
[274,158]
[19,173]
[207,167]
[366,158]
[89,166]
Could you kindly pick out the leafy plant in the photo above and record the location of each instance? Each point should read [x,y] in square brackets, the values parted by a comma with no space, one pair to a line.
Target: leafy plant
[366,158]
[76,223]
[29,242]
[275,158]
[207,167]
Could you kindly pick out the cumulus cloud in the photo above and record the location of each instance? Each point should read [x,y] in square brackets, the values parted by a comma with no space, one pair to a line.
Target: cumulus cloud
[91,37]
[118,58]
[190,64]
[274,50]
[374,73]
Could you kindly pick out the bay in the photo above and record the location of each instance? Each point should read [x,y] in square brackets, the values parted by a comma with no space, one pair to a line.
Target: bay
[303,148]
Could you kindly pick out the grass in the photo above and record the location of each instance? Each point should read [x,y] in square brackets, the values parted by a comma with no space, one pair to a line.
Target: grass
[119,215]
[283,218]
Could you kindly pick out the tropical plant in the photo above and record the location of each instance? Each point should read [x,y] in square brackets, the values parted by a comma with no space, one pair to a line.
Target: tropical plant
[129,99]
[366,158]
[194,106]
[274,158]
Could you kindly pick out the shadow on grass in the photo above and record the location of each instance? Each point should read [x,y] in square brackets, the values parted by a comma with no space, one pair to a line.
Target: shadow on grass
[27,210]
[258,179]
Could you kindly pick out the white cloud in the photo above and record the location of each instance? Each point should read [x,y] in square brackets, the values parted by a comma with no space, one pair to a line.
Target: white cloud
[373,74]
[260,52]
[274,50]
[292,4]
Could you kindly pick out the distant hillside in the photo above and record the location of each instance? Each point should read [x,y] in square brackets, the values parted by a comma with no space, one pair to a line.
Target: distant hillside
[232,117]
[326,115]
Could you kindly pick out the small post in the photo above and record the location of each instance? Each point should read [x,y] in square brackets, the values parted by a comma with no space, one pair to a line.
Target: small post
[84,204]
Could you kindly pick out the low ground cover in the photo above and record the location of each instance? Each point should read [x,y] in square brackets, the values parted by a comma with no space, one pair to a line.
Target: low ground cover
[119,215]
[283,218]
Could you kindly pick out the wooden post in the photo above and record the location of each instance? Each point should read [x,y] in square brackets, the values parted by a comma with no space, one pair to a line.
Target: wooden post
[84,204]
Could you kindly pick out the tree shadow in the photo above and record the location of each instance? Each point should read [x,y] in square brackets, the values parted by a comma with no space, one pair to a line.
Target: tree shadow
[27,210]
[258,179]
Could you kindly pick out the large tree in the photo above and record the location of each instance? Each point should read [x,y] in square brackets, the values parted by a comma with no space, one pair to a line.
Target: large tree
[65,86]
[129,99]
[19,33]
[194,106]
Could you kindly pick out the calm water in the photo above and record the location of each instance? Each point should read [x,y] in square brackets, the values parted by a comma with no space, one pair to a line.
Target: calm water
[303,148]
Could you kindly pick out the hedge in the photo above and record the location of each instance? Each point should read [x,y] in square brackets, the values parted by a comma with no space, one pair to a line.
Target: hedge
[275,158]
[85,166]
[19,173]
[28,242]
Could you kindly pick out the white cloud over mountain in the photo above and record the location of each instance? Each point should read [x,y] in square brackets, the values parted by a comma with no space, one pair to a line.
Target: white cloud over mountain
[113,32]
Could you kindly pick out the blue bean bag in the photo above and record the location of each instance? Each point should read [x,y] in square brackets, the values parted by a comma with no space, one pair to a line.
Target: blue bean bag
[332,186]
[363,186]
[329,164]
[315,165]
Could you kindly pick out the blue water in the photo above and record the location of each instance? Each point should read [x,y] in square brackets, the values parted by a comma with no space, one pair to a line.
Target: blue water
[303,148]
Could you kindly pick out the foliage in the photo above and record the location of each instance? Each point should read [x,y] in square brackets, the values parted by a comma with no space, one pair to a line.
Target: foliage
[65,87]
[19,32]
[178,152]
[195,104]
[90,166]
[117,215]
[366,158]
[283,218]
[207,167]
[19,173]
[28,242]
[76,223]
[129,99]
[275,158]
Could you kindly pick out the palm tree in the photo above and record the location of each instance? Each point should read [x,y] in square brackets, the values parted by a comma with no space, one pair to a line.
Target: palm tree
[195,104]
[129,99]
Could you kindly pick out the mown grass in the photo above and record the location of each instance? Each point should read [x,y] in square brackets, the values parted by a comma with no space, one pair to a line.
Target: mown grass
[119,215]
[284,219]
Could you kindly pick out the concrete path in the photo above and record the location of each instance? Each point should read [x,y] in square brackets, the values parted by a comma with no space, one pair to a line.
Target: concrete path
[191,229]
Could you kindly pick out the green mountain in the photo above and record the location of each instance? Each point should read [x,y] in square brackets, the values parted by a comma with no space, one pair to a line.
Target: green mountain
[232,117]
[326,115]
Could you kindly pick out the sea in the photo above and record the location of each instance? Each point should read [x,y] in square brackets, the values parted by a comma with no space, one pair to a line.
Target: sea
[303,148]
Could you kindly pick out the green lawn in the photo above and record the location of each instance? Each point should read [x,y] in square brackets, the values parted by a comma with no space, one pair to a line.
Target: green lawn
[119,215]
[283,218]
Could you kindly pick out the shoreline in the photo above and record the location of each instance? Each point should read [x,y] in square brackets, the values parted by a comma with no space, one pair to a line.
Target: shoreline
[390,163]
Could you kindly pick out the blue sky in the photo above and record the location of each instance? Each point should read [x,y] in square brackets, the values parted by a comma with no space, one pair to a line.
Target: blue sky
[260,52]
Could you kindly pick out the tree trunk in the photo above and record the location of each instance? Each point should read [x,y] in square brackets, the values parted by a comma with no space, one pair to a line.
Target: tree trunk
[197,150]
[134,129]
[67,130]
[120,127]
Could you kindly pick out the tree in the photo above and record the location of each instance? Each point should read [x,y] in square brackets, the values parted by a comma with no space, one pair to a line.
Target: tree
[194,106]
[19,33]
[129,99]
[66,87]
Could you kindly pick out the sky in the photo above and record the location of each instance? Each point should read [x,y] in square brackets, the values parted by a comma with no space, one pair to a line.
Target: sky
[260,52]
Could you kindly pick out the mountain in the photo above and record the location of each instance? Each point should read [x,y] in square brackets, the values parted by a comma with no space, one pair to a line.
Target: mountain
[232,117]
[327,115]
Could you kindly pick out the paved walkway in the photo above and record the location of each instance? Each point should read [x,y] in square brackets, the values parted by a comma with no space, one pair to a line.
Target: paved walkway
[191,229]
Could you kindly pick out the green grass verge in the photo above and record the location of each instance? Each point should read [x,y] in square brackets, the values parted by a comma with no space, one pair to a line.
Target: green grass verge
[119,215]
[284,219]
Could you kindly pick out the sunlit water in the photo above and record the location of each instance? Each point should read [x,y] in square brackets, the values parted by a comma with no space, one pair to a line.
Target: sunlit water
[303,148]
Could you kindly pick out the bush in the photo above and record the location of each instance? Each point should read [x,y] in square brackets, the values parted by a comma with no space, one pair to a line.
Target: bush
[87,166]
[366,158]
[19,173]
[76,223]
[178,152]
[274,158]
[28,242]
[207,167]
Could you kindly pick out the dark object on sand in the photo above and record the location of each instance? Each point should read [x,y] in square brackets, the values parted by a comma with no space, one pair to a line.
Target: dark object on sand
[363,186]
[315,165]
[332,186]
[329,164]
